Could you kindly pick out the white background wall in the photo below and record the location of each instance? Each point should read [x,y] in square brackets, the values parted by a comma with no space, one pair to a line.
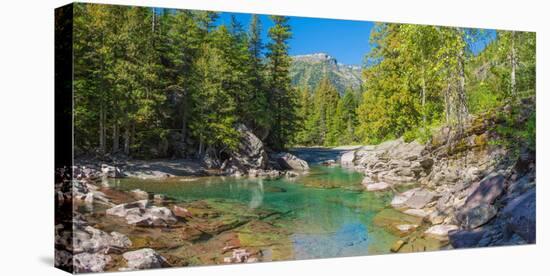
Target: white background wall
[26,135]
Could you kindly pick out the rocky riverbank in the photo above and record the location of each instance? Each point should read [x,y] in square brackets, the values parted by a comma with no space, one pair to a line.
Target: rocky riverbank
[467,191]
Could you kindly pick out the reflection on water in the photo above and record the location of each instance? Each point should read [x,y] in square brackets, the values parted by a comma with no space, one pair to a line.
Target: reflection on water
[323,222]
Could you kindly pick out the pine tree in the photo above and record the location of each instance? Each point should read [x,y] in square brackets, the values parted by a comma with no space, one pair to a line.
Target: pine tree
[282,98]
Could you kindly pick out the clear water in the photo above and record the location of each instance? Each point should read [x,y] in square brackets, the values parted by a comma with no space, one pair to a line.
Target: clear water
[333,222]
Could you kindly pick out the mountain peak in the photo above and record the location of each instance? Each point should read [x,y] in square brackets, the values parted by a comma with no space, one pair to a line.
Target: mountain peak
[315,57]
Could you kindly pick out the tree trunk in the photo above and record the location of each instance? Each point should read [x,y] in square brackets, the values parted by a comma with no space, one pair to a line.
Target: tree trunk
[115,137]
[513,63]
[423,98]
[101,129]
[127,139]
[462,108]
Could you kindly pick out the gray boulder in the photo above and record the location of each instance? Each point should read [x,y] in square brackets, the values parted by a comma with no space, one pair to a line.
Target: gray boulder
[111,171]
[412,199]
[347,159]
[466,239]
[521,217]
[486,191]
[90,262]
[474,217]
[289,161]
[250,153]
[143,259]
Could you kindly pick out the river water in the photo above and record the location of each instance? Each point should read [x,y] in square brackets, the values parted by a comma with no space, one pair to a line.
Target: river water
[323,222]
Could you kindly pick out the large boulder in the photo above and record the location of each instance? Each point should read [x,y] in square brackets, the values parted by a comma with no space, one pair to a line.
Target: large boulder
[143,259]
[486,191]
[521,217]
[347,159]
[142,213]
[474,217]
[465,238]
[289,161]
[111,171]
[250,153]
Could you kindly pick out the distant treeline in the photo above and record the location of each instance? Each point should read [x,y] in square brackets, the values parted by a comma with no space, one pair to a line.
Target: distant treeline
[418,78]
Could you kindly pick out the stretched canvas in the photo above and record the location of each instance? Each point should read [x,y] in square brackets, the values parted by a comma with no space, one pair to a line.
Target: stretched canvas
[188,138]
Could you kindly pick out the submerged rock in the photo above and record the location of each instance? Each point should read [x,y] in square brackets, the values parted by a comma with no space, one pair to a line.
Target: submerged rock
[374,186]
[89,239]
[143,259]
[143,214]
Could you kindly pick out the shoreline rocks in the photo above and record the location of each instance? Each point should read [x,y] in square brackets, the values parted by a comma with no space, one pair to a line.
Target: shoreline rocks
[142,213]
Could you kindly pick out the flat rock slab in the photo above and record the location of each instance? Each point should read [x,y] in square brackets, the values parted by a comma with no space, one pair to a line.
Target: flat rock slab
[440,232]
[413,199]
[416,212]
[143,259]
[374,186]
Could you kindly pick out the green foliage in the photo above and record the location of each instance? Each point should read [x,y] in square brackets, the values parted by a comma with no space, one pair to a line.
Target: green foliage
[157,83]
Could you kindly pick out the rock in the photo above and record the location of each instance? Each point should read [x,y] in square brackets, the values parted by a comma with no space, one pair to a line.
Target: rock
[374,186]
[159,198]
[416,212]
[92,240]
[427,163]
[472,218]
[329,163]
[143,214]
[415,198]
[347,159]
[520,216]
[90,262]
[397,245]
[111,171]
[181,212]
[143,259]
[139,194]
[405,229]
[466,239]
[291,162]
[486,191]
[238,256]
[250,153]
[440,232]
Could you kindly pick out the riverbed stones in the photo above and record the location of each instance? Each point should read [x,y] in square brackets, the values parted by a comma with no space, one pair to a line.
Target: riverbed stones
[139,194]
[142,213]
[90,262]
[90,239]
[111,171]
[144,259]
[441,231]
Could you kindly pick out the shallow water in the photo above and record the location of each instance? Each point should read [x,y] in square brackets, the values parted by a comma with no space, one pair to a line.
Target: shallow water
[323,222]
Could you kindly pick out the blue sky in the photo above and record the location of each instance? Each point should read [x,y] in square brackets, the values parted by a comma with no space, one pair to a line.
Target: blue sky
[346,40]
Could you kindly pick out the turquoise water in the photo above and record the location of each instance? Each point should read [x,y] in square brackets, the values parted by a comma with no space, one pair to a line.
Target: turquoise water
[326,222]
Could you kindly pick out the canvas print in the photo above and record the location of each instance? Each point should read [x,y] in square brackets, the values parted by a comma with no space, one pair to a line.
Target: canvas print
[189,138]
